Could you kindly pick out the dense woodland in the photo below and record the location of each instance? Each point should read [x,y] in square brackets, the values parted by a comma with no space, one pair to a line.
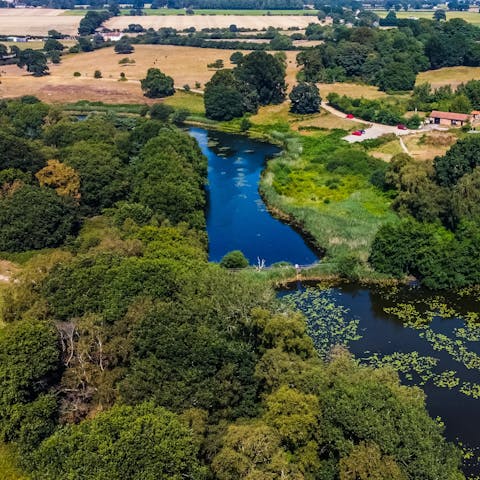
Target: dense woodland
[390,58]
[125,354]
[439,239]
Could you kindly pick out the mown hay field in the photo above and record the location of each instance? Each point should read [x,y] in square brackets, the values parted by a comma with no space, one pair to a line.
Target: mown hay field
[255,22]
[36,21]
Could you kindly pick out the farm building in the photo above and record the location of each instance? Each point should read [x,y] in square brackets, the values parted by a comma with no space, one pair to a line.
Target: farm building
[449,118]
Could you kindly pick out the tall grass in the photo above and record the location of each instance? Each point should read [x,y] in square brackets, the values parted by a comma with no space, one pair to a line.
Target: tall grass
[341,211]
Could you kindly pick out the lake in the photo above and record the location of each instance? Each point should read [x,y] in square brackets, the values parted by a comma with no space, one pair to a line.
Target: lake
[444,354]
[237,218]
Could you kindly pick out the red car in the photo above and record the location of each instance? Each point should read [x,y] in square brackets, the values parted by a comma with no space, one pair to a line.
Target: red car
[350,115]
[401,126]
[357,133]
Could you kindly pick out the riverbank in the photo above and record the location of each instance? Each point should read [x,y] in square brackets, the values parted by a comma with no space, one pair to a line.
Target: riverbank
[336,210]
[320,185]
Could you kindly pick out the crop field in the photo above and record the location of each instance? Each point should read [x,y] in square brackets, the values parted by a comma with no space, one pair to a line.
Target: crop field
[471,17]
[36,21]
[187,65]
[180,22]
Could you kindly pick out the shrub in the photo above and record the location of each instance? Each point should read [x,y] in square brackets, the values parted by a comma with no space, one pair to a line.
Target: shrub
[97,74]
[77,74]
[160,111]
[234,259]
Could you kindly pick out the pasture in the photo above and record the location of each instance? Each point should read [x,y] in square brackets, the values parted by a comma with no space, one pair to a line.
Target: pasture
[471,17]
[448,76]
[187,65]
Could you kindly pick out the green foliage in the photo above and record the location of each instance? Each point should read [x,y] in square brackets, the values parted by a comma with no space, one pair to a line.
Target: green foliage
[461,159]
[19,154]
[264,73]
[226,97]
[103,176]
[35,218]
[141,442]
[305,98]
[124,46]
[156,84]
[29,364]
[234,259]
[34,60]
[160,111]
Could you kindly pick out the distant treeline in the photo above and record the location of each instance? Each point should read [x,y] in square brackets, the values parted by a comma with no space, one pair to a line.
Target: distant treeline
[238,4]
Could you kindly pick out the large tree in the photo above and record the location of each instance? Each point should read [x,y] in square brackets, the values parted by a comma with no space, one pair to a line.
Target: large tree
[157,85]
[33,218]
[34,60]
[266,74]
[131,443]
[305,98]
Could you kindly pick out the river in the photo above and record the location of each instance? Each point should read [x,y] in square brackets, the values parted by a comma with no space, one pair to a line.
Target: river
[238,219]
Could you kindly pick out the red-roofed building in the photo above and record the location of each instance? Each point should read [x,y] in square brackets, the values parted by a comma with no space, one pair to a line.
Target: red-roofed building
[449,118]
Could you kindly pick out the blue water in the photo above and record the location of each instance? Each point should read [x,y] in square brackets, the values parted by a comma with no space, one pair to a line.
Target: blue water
[237,218]
[384,334]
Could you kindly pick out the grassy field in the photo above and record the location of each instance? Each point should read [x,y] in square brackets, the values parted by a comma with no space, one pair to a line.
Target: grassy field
[187,65]
[451,75]
[342,211]
[175,11]
[471,17]
[354,90]
[278,116]
[426,146]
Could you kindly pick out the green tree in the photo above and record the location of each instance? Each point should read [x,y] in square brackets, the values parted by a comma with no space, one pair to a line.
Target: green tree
[461,159]
[264,73]
[305,98]
[439,15]
[226,97]
[34,60]
[133,443]
[53,45]
[124,46]
[397,76]
[33,218]
[29,366]
[156,84]
[103,179]
[236,58]
[281,42]
[19,153]
[234,259]
[161,111]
